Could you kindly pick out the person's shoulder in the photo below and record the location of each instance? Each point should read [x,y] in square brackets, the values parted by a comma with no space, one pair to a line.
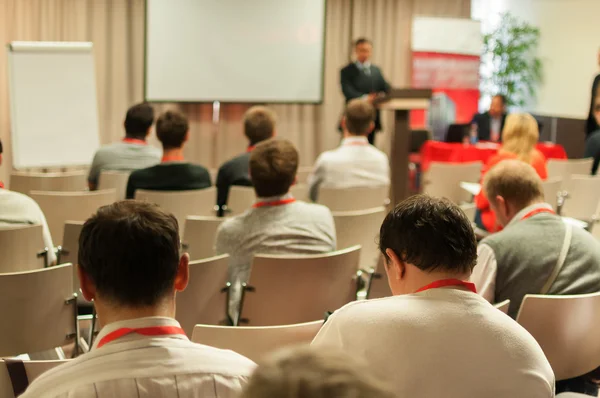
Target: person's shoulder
[17,197]
[350,67]
[313,208]
[357,310]
[234,162]
[197,169]
[233,360]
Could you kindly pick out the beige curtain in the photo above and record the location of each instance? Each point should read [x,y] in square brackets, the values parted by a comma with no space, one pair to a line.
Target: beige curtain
[116,27]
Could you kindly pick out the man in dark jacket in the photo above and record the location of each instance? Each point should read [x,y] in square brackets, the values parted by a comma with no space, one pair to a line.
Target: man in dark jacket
[491,123]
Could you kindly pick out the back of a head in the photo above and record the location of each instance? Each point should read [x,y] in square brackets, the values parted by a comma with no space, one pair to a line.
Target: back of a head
[273,166]
[431,233]
[305,372]
[520,135]
[138,121]
[259,124]
[359,117]
[130,251]
[171,129]
[516,181]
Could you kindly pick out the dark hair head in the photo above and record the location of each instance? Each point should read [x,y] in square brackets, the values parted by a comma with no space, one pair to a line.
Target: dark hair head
[359,116]
[502,97]
[273,166]
[362,40]
[171,129]
[259,124]
[138,121]
[130,251]
[430,233]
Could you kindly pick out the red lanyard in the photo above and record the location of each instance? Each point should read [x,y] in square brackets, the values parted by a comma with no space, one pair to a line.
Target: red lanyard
[149,331]
[274,203]
[172,159]
[356,143]
[134,141]
[537,211]
[250,148]
[449,282]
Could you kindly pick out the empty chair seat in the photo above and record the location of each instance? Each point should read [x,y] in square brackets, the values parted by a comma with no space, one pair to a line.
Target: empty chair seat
[443,180]
[353,199]
[26,182]
[199,235]
[20,245]
[582,197]
[116,180]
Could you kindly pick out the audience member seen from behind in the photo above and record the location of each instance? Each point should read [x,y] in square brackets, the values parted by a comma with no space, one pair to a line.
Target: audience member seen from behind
[490,124]
[305,372]
[173,173]
[277,223]
[592,123]
[130,265]
[355,163]
[520,137]
[435,321]
[592,143]
[259,125]
[133,152]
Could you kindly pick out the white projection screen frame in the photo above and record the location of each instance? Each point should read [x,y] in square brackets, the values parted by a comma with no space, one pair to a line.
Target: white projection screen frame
[235,51]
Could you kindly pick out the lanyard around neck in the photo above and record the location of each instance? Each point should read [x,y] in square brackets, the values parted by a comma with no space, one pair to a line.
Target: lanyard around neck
[134,141]
[537,211]
[356,143]
[274,203]
[449,282]
[148,331]
[172,159]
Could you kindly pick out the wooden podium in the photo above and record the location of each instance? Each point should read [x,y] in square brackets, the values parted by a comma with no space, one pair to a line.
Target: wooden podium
[402,101]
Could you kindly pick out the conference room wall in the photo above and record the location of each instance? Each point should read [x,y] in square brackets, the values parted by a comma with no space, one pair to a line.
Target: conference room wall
[116,27]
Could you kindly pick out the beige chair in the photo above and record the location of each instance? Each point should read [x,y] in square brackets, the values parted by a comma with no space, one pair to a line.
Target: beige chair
[552,188]
[239,200]
[582,198]
[20,245]
[39,310]
[285,290]
[69,251]
[197,202]
[566,327]
[354,199]
[503,306]
[33,369]
[205,298]
[469,209]
[26,182]
[116,180]
[300,192]
[302,174]
[58,207]
[376,282]
[360,228]
[199,235]
[256,342]
[443,180]
[565,168]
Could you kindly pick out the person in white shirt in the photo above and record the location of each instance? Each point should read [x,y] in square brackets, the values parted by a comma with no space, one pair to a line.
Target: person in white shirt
[436,337]
[130,265]
[355,163]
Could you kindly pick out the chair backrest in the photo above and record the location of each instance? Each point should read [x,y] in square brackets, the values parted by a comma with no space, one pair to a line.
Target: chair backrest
[564,168]
[583,197]
[33,369]
[503,306]
[117,180]
[443,180]
[240,199]
[302,174]
[256,342]
[469,209]
[203,301]
[296,289]
[26,182]
[70,248]
[35,314]
[199,235]
[566,327]
[197,202]
[353,199]
[58,207]
[19,246]
[552,187]
[300,192]
[360,228]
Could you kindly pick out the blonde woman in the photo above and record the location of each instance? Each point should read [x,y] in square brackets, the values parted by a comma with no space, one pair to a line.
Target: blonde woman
[519,138]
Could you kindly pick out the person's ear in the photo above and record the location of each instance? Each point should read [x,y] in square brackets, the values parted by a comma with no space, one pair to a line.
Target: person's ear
[187,136]
[183,273]
[501,205]
[88,289]
[397,268]
[343,123]
[371,127]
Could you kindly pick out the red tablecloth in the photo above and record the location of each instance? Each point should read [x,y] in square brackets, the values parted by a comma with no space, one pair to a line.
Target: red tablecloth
[435,151]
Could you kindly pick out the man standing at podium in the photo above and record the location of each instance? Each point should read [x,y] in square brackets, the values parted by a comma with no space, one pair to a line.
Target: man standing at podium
[361,79]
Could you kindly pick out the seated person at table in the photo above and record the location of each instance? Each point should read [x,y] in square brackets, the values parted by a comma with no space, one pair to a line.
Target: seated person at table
[259,125]
[355,163]
[173,173]
[520,137]
[133,152]
[131,266]
[435,337]
[277,223]
[592,143]
[491,123]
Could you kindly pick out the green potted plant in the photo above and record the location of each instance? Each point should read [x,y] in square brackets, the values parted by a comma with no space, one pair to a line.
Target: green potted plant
[511,66]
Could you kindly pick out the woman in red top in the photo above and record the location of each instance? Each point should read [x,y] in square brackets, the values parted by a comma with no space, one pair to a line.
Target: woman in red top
[519,138]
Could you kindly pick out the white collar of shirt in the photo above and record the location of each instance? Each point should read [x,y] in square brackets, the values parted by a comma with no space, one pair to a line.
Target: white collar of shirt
[362,66]
[526,210]
[274,198]
[349,141]
[135,324]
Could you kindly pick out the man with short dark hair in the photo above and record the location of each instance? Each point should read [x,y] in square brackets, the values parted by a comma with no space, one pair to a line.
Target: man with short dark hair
[436,336]
[277,223]
[355,163]
[133,152]
[173,173]
[259,125]
[131,267]
[491,123]
[361,79]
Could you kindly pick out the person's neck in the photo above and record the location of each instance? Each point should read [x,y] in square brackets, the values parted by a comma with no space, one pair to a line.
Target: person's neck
[135,138]
[109,313]
[347,134]
[425,279]
[515,211]
[173,153]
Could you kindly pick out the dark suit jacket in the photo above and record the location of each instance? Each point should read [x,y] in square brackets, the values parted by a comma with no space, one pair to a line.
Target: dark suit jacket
[176,176]
[591,125]
[232,172]
[355,83]
[484,125]
[592,150]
